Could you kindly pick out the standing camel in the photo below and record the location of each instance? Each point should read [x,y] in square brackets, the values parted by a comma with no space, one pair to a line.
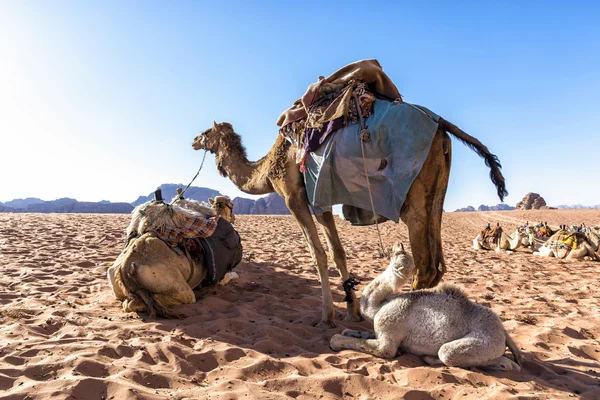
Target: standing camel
[421,211]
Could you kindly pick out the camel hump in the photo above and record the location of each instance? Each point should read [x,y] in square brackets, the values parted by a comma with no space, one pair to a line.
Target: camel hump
[451,290]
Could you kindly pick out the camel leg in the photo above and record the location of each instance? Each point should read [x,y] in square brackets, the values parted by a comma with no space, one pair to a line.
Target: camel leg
[544,252]
[358,334]
[422,213]
[502,363]
[382,347]
[474,350]
[339,258]
[585,250]
[298,205]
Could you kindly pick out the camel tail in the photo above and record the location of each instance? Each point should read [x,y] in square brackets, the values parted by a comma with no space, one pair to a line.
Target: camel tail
[490,159]
[514,349]
[135,291]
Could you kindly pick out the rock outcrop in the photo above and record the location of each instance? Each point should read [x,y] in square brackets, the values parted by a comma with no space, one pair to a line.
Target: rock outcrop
[532,201]
[242,205]
[271,204]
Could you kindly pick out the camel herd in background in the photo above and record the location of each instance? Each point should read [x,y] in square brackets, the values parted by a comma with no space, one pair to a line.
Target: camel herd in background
[566,242]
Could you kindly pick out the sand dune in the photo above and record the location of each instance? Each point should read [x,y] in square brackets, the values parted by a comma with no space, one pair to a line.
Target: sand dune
[63,335]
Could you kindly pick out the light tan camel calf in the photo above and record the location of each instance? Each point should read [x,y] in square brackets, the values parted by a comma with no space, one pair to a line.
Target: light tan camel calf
[441,324]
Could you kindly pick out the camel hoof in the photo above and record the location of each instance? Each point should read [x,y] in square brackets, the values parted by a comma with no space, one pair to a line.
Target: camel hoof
[353,318]
[325,325]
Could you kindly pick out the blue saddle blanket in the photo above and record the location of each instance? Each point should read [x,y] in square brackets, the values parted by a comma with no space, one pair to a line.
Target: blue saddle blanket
[400,139]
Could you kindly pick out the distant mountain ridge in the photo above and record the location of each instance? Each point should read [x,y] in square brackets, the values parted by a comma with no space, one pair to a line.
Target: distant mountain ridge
[271,204]
[65,205]
[483,207]
[578,207]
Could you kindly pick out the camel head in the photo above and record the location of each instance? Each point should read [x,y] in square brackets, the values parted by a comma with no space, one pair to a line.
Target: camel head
[211,138]
[401,267]
[222,141]
[223,207]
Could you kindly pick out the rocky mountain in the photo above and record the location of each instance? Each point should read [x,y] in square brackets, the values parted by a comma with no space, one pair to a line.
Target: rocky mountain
[169,191]
[271,204]
[5,209]
[531,201]
[242,205]
[497,207]
[578,207]
[22,203]
[67,205]
[483,207]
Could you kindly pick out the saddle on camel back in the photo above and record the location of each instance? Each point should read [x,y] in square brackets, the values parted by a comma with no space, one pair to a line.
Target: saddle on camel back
[491,235]
[172,249]
[563,241]
[202,236]
[354,120]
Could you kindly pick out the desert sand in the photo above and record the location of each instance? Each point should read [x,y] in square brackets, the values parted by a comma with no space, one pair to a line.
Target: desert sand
[63,335]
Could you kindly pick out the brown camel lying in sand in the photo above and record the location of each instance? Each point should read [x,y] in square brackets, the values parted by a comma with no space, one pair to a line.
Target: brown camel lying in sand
[153,274]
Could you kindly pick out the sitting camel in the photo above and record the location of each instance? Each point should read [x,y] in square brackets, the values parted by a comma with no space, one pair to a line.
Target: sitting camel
[223,206]
[496,239]
[170,251]
[441,324]
[571,245]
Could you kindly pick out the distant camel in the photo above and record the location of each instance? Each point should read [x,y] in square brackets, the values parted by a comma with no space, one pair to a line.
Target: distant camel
[571,245]
[496,239]
[441,324]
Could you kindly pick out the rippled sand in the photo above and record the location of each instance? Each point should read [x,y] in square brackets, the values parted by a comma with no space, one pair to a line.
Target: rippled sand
[63,335]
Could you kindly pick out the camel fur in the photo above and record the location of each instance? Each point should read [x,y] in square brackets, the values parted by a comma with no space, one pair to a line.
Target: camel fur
[441,324]
[223,206]
[421,211]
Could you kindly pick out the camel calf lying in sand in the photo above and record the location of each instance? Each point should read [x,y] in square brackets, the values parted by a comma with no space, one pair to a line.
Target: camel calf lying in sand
[441,324]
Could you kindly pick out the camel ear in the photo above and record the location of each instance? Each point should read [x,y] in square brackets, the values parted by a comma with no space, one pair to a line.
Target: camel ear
[211,201]
[398,246]
[215,126]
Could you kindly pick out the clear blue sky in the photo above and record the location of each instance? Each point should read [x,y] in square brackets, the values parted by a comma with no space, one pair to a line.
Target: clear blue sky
[101,100]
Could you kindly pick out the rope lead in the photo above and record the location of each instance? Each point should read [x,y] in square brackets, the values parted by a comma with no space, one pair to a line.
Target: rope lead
[365,137]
